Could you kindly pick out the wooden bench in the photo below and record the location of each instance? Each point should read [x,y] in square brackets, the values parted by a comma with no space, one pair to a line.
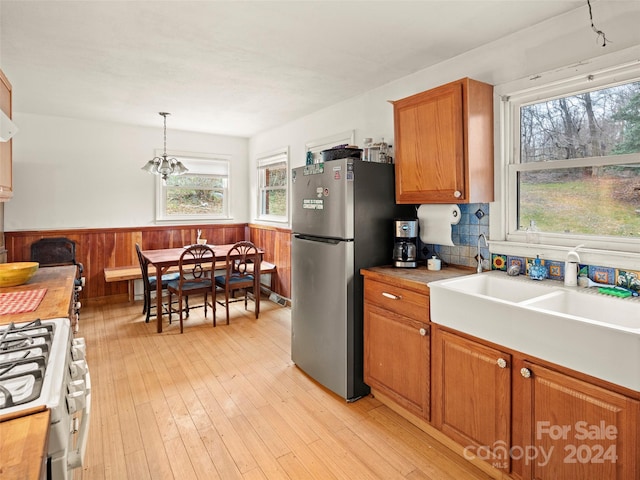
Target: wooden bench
[131,273]
[267,267]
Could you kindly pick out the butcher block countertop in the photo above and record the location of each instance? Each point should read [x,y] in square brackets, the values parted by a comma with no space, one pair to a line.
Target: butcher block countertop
[59,284]
[415,278]
[23,446]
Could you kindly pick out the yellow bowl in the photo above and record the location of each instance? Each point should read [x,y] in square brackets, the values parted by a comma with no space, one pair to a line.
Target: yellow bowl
[17,273]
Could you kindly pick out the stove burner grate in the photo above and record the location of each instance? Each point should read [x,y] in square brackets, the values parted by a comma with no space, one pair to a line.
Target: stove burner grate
[24,352]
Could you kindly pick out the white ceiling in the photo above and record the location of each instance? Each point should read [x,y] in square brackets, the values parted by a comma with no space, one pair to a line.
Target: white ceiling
[234,67]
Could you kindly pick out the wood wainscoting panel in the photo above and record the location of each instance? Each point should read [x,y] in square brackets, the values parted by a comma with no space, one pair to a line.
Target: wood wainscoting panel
[276,243]
[97,248]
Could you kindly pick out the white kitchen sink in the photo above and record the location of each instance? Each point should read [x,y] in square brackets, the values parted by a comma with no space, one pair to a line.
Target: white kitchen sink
[499,287]
[576,328]
[592,307]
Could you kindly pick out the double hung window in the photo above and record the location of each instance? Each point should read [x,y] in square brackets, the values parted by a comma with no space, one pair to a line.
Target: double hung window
[573,162]
[273,186]
[200,194]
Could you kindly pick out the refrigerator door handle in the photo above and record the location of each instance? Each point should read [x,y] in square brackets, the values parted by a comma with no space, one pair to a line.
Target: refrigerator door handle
[312,238]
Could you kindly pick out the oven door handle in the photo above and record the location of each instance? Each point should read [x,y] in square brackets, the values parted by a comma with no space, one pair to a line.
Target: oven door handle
[76,457]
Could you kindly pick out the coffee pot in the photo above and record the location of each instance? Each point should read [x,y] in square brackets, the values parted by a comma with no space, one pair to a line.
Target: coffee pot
[404,251]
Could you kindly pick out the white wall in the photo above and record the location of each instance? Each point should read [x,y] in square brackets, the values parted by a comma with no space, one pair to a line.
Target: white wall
[557,43]
[70,173]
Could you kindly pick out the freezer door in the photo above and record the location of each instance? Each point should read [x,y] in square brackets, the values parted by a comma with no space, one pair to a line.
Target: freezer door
[323,199]
[321,312]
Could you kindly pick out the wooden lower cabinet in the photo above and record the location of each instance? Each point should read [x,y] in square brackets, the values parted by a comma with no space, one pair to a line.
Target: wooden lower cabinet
[531,421]
[472,396]
[397,346]
[527,418]
[572,429]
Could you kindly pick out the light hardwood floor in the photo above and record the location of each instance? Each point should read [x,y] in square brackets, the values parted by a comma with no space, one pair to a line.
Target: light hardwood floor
[228,403]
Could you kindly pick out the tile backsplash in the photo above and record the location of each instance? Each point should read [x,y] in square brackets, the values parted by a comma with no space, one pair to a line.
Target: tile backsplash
[555,271]
[474,220]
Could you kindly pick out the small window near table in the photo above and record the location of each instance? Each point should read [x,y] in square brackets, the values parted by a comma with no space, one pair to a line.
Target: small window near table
[200,194]
[273,186]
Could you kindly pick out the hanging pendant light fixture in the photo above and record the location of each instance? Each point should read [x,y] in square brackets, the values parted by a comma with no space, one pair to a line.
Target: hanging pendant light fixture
[162,165]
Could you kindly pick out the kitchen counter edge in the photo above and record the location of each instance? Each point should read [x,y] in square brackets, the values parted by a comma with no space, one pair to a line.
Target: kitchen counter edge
[416,279]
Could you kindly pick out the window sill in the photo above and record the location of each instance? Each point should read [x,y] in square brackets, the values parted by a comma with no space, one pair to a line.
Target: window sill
[273,221]
[192,221]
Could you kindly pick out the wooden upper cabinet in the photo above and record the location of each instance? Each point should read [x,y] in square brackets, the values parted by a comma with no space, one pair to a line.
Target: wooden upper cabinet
[444,144]
[6,169]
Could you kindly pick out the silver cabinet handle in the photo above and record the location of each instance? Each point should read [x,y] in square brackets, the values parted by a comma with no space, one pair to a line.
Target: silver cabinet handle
[502,363]
[423,331]
[457,194]
[391,296]
[525,372]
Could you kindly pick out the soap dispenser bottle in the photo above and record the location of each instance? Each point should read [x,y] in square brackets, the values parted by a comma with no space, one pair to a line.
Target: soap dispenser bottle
[571,269]
[537,271]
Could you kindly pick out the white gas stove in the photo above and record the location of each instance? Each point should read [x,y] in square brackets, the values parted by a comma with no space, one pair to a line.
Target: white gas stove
[41,364]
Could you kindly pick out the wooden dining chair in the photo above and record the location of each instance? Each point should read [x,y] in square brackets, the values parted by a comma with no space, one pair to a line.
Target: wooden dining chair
[196,267]
[239,274]
[149,284]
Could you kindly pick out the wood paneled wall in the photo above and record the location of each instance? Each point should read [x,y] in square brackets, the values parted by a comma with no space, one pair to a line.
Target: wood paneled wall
[114,247]
[276,243]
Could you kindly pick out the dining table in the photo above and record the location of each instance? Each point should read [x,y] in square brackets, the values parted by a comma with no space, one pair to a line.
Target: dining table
[165,258]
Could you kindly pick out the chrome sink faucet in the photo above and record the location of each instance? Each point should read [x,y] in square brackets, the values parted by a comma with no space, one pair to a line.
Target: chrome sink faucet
[479,257]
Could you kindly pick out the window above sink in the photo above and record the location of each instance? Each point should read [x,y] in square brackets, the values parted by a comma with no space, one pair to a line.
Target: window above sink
[570,162]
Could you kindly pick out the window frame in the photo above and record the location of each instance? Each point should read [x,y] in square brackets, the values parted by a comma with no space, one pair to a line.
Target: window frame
[325,143]
[264,161]
[619,68]
[197,164]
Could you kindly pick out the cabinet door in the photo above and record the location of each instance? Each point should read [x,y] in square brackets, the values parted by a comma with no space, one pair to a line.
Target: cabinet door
[396,358]
[472,396]
[6,173]
[577,430]
[429,139]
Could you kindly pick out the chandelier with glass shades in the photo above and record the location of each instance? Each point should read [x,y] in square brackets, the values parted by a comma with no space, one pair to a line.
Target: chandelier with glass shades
[162,165]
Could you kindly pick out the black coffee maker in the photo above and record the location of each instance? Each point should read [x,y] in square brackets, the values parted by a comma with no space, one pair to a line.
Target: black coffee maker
[405,252]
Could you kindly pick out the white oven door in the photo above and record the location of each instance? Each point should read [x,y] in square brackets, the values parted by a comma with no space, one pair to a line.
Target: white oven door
[69,430]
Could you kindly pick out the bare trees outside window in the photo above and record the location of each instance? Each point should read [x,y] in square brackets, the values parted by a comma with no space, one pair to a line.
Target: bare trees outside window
[196,195]
[201,194]
[579,165]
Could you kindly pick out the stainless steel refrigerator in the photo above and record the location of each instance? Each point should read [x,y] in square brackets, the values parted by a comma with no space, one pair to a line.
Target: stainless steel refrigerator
[342,221]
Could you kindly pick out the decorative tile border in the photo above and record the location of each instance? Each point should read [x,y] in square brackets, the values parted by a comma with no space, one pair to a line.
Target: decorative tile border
[604,275]
[555,269]
[517,261]
[629,279]
[498,262]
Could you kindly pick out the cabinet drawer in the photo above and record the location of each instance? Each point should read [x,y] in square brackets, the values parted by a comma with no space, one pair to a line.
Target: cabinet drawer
[396,299]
